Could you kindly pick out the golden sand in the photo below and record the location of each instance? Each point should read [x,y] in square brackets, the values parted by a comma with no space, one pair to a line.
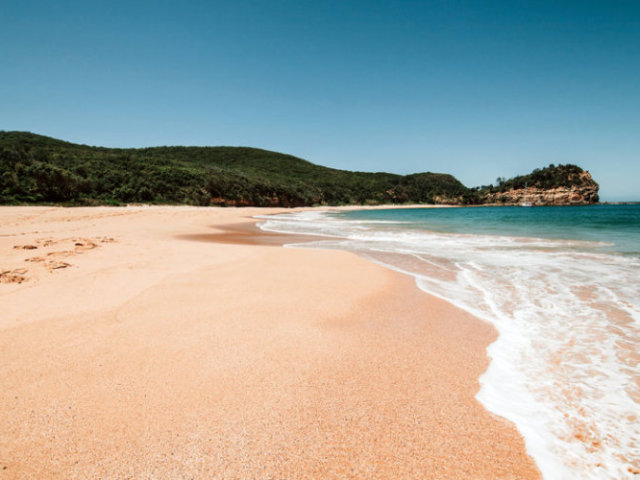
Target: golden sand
[128,350]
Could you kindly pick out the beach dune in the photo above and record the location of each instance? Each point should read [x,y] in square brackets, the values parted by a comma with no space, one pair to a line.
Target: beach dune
[133,345]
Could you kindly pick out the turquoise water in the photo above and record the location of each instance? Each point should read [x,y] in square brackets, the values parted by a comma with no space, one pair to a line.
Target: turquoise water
[617,226]
[562,287]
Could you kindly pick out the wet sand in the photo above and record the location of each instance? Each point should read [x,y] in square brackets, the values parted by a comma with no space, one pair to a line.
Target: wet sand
[132,345]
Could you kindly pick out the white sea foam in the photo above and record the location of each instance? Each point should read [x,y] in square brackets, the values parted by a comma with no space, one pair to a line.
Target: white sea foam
[565,366]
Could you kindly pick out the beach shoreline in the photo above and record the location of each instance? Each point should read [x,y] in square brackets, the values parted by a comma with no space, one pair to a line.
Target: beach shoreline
[176,342]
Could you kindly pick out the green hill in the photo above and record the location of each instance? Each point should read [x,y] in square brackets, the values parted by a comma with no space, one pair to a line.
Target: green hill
[38,169]
[546,178]
[553,185]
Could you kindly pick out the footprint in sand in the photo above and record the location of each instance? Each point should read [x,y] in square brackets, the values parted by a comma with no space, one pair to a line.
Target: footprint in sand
[62,253]
[34,259]
[13,276]
[56,265]
[52,260]
[84,244]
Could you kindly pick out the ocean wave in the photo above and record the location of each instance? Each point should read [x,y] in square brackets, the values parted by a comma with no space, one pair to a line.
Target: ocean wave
[564,368]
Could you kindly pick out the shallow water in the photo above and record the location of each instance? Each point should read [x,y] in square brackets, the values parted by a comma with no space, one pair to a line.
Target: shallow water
[562,286]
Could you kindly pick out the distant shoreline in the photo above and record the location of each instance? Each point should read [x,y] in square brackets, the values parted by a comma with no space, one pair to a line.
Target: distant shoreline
[37,169]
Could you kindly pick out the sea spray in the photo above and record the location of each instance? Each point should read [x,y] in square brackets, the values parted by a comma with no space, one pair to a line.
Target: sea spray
[565,367]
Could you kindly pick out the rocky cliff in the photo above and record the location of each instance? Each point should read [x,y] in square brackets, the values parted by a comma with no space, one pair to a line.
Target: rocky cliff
[562,185]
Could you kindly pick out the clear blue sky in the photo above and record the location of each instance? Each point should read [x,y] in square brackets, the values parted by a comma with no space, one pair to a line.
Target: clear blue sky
[479,89]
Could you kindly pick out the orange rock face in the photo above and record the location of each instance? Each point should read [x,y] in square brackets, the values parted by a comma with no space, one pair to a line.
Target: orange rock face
[584,192]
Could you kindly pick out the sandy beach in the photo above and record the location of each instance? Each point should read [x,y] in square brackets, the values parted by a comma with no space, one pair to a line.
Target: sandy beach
[172,342]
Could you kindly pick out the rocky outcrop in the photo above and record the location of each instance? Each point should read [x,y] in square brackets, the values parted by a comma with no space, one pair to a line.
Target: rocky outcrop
[582,191]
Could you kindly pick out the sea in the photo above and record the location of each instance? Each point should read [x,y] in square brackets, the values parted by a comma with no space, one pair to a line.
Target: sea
[562,287]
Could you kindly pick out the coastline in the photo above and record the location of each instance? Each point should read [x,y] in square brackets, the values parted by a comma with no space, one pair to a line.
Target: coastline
[130,350]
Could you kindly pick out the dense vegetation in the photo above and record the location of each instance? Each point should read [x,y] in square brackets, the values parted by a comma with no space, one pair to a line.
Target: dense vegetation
[546,178]
[37,169]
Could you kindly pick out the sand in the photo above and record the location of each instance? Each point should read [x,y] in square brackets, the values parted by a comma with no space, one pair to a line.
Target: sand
[133,346]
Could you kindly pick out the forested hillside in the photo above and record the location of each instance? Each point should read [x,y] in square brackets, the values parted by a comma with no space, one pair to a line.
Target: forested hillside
[38,169]
[553,185]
